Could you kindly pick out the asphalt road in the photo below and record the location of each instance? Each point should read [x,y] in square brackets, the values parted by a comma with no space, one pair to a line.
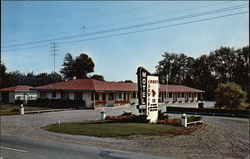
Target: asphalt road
[16,147]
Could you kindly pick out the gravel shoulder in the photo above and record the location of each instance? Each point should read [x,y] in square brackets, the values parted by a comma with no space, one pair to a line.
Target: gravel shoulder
[221,137]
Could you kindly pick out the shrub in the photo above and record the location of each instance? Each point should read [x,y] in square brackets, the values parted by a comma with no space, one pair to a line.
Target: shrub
[129,118]
[162,115]
[175,122]
[15,109]
[126,113]
[193,118]
[230,96]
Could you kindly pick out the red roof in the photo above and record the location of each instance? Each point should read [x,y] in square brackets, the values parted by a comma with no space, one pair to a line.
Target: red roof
[95,85]
[16,89]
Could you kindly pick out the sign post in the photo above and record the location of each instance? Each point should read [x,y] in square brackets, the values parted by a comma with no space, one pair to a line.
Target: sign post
[148,88]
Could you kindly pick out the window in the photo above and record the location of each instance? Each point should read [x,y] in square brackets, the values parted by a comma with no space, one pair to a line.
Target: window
[111,96]
[194,94]
[18,98]
[103,97]
[134,94]
[120,95]
[129,96]
[189,94]
[124,96]
[179,95]
[53,94]
[65,95]
[97,97]
[78,96]
[182,95]
[170,95]
[43,94]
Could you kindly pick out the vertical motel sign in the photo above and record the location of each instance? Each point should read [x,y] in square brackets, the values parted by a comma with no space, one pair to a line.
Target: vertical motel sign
[148,88]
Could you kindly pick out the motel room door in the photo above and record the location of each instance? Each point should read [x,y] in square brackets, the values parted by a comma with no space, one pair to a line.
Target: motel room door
[174,97]
[186,97]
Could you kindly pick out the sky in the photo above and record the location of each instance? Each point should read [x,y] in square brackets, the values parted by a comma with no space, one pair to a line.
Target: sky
[118,36]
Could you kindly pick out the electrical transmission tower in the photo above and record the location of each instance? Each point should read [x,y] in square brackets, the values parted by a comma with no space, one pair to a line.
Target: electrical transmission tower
[53,46]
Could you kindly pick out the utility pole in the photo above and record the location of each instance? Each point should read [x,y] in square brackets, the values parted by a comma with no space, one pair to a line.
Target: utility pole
[53,46]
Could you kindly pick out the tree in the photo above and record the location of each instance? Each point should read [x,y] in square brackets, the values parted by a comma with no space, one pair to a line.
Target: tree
[45,78]
[128,81]
[202,77]
[242,69]
[97,77]
[68,70]
[175,67]
[77,67]
[83,65]
[230,96]
[223,62]
[2,74]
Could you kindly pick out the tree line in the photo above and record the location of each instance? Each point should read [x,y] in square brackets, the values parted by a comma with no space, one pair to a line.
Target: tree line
[73,67]
[207,71]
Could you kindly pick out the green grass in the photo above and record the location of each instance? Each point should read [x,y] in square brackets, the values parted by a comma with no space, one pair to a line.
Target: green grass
[11,109]
[120,130]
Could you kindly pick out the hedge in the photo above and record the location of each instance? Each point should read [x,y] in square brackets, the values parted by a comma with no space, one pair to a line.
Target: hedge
[57,103]
[207,111]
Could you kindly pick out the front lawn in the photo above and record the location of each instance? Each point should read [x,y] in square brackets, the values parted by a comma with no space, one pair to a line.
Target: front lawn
[106,128]
[11,109]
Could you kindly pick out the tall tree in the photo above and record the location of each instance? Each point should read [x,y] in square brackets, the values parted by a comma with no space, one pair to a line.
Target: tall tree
[174,68]
[68,69]
[83,65]
[77,67]
[223,62]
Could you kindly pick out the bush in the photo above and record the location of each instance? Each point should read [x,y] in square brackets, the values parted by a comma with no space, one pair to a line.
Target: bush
[129,118]
[126,113]
[162,115]
[230,96]
[56,103]
[15,109]
[175,121]
[193,118]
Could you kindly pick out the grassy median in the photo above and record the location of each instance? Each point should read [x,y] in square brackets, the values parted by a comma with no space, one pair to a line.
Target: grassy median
[120,130]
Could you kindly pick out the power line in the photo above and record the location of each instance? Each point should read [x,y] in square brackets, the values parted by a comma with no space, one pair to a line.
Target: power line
[167,13]
[138,25]
[155,28]
[131,20]
[149,29]
[54,46]
[94,16]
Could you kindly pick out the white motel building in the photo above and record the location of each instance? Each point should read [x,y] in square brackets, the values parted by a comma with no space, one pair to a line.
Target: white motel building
[17,93]
[96,93]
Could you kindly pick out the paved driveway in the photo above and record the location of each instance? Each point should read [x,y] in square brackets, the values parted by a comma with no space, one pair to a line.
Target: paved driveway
[220,138]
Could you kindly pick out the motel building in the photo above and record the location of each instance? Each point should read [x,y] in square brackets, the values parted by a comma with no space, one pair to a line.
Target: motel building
[96,93]
[17,94]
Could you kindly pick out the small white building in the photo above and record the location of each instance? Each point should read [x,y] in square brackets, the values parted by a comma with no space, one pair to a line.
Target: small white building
[17,94]
[96,93]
